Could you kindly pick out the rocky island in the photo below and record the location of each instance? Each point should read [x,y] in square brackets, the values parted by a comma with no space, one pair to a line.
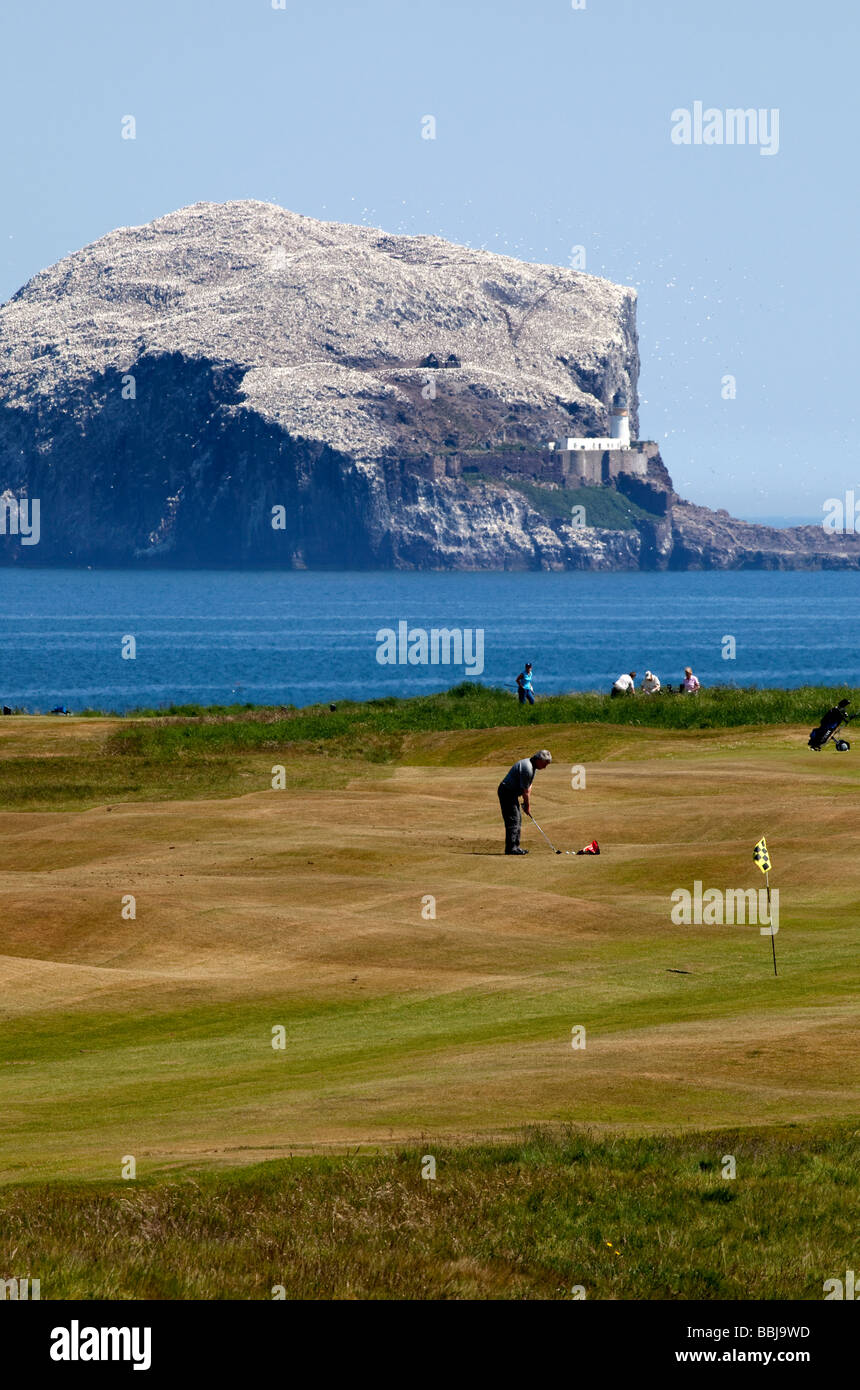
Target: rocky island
[235,384]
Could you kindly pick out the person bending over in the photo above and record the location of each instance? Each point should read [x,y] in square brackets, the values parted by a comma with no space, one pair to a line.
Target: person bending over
[625,685]
[516,784]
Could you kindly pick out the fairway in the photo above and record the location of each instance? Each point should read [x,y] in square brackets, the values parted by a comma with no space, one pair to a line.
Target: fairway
[307,909]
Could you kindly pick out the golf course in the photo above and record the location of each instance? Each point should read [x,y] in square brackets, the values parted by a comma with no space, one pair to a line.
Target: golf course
[259,990]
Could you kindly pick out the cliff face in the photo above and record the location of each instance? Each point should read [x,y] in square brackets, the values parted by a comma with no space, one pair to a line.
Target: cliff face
[166,387]
[171,390]
[702,539]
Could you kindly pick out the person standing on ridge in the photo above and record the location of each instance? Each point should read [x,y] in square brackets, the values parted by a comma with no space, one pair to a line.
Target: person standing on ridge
[518,784]
[524,685]
[690,684]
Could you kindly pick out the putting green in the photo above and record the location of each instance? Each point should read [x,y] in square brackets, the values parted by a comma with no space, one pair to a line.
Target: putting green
[308,910]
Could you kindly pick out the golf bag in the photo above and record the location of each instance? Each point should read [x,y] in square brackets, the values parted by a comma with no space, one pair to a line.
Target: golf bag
[824,733]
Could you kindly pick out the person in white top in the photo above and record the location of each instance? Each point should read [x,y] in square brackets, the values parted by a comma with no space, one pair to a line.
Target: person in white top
[691,683]
[651,684]
[625,685]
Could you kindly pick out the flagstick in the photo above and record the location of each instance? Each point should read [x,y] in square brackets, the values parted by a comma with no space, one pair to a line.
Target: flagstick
[770,919]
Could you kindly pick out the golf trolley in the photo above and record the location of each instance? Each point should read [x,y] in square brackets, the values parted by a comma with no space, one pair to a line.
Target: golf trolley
[818,737]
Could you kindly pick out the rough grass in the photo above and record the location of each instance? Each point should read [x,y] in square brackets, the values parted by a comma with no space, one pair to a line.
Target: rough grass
[623,1218]
[471,705]
[375,730]
[465,706]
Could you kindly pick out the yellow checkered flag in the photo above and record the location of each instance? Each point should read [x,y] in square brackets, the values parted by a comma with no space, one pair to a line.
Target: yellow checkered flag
[761,856]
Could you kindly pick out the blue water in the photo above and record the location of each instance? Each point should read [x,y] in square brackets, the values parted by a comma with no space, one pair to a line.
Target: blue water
[296,638]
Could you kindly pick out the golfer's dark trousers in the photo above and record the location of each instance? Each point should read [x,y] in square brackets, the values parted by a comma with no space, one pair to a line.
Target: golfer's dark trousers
[509,802]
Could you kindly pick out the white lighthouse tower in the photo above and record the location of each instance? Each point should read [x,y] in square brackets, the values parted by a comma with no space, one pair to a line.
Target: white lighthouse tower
[619,420]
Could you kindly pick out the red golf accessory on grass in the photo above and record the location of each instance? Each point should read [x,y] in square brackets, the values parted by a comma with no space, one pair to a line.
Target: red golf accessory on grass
[593,848]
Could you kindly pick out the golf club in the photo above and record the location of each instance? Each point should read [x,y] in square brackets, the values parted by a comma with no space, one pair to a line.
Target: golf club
[546,837]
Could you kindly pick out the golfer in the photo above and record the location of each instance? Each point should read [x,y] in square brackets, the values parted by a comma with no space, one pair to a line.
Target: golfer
[518,784]
[524,685]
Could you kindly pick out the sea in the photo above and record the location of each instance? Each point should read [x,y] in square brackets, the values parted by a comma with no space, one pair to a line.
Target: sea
[298,638]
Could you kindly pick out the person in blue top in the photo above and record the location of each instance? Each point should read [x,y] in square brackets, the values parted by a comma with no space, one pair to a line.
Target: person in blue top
[524,685]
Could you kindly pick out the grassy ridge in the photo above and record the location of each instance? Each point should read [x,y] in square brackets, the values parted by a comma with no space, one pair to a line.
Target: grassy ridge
[203,751]
[622,1218]
[368,728]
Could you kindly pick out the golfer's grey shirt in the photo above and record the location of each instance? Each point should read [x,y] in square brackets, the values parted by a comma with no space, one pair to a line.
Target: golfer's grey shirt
[520,777]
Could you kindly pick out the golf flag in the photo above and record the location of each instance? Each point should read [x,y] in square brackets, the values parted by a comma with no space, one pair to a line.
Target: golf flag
[762,858]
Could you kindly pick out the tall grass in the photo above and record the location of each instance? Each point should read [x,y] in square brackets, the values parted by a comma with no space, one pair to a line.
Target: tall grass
[625,1218]
[368,728]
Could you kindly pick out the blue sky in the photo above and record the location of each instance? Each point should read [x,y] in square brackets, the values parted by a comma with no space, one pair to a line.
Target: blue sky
[553,130]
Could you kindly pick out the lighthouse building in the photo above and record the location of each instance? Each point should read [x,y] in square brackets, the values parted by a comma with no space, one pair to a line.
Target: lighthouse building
[619,420]
[598,459]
